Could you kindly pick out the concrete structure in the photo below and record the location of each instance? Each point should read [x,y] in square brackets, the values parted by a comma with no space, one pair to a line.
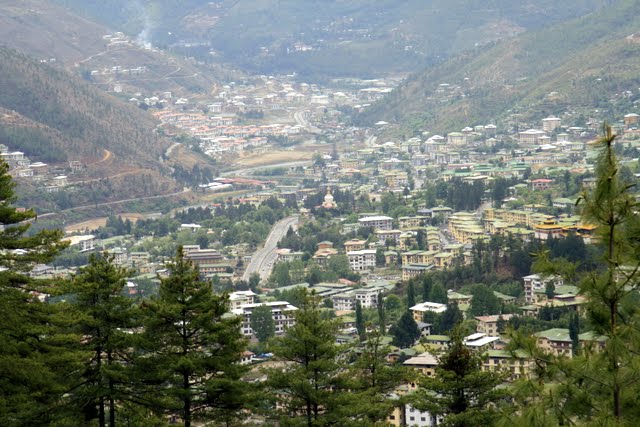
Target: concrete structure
[362,260]
[536,284]
[419,310]
[240,298]
[489,324]
[550,124]
[377,222]
[281,311]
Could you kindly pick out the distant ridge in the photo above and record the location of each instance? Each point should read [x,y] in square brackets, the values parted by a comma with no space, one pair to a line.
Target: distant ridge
[579,65]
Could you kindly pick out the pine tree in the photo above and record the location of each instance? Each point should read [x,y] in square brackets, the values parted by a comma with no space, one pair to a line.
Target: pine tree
[451,317]
[599,385]
[372,382]
[405,332]
[460,392]
[427,284]
[105,318]
[382,315]
[262,323]
[438,294]
[411,295]
[574,332]
[360,322]
[192,349]
[37,361]
[308,386]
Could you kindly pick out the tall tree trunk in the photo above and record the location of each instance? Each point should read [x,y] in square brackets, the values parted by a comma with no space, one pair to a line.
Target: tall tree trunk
[112,404]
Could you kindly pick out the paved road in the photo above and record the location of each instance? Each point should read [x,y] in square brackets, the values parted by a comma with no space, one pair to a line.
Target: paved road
[262,261]
[301,119]
[249,170]
[75,208]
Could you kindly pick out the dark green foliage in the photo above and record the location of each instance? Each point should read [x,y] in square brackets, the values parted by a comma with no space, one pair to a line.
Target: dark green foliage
[360,326]
[105,318]
[438,294]
[373,380]
[405,332]
[38,362]
[448,320]
[411,295]
[599,385]
[382,315]
[460,392]
[262,323]
[307,387]
[191,349]
[484,301]
[427,284]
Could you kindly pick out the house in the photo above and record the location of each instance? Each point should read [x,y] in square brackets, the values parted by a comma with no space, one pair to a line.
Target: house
[535,284]
[287,255]
[362,260]
[84,243]
[516,365]
[419,310]
[354,245]
[550,124]
[541,184]
[239,298]
[548,228]
[377,222]
[531,136]
[281,311]
[203,256]
[385,235]
[555,341]
[489,324]
[119,255]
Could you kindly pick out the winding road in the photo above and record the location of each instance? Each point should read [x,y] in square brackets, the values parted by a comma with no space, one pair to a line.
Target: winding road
[262,261]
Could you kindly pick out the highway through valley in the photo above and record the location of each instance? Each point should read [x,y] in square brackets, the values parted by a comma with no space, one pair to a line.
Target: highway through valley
[262,261]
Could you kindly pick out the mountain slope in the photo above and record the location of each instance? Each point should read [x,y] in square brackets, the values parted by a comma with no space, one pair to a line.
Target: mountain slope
[89,119]
[55,117]
[48,31]
[582,64]
[331,37]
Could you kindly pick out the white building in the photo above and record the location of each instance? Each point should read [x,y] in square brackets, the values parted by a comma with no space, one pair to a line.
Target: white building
[378,222]
[85,243]
[534,283]
[550,124]
[362,260]
[419,310]
[368,298]
[281,311]
[240,298]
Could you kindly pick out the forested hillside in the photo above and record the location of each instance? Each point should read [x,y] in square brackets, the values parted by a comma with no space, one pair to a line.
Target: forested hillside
[73,119]
[45,30]
[580,65]
[318,39]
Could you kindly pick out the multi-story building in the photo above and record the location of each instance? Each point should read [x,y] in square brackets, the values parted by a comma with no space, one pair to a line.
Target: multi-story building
[419,310]
[406,222]
[368,298]
[239,298]
[281,311]
[377,222]
[489,324]
[550,124]
[534,285]
[354,245]
[502,361]
[362,260]
[384,235]
[555,341]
